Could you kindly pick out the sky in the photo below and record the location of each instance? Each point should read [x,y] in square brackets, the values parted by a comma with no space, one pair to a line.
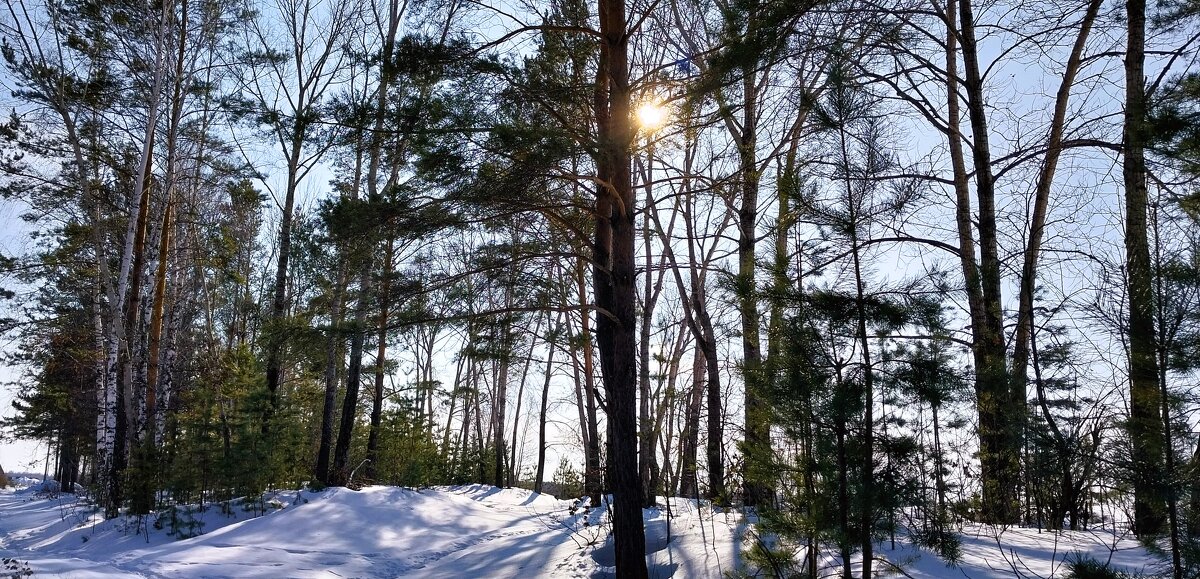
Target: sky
[21,455]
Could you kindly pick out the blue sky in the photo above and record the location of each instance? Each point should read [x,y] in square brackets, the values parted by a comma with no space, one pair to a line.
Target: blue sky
[14,240]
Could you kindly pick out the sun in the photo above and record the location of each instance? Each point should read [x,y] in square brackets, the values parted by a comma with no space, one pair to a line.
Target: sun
[651,115]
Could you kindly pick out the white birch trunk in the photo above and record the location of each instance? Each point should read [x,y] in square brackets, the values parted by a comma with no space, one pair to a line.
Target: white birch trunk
[106,418]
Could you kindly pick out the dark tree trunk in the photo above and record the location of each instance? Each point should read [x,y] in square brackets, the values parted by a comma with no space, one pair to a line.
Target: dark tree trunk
[715,440]
[647,464]
[340,475]
[690,439]
[333,364]
[699,323]
[1145,420]
[512,454]
[499,404]
[843,485]
[592,472]
[156,324]
[867,490]
[614,283]
[757,419]
[541,463]
[999,448]
[1192,524]
[279,306]
[125,439]
[381,365]
[939,477]
[760,466]
[335,342]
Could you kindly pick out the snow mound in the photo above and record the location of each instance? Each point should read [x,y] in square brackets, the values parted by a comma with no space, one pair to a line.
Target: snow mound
[508,497]
[33,484]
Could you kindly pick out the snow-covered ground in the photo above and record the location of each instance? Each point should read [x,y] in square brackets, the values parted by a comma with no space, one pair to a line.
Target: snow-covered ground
[1004,553]
[470,532]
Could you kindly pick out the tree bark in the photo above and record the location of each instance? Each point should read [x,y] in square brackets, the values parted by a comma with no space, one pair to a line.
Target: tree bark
[541,463]
[1145,421]
[500,397]
[757,420]
[843,482]
[867,464]
[334,343]
[690,438]
[156,323]
[279,304]
[385,295]
[130,285]
[998,449]
[512,457]
[592,470]
[651,286]
[340,475]
[614,283]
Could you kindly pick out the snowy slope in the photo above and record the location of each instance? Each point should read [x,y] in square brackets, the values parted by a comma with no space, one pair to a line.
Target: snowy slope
[471,532]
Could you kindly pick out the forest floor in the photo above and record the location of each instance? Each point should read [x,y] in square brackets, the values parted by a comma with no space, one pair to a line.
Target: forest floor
[468,532]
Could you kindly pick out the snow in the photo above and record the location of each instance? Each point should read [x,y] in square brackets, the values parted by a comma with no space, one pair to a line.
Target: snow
[473,532]
[445,532]
[988,552]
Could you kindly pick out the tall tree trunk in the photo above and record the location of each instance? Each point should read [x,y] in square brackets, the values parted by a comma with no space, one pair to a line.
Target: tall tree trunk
[998,449]
[314,58]
[104,415]
[455,390]
[341,468]
[810,483]
[760,467]
[592,470]
[478,413]
[1192,524]
[664,415]
[1165,334]
[1145,420]
[577,379]
[690,438]
[715,401]
[340,475]
[867,484]
[276,337]
[614,282]
[129,292]
[938,476]
[757,420]
[156,324]
[647,463]
[699,324]
[334,343]
[541,462]
[512,457]
[385,295]
[160,276]
[500,397]
[843,483]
